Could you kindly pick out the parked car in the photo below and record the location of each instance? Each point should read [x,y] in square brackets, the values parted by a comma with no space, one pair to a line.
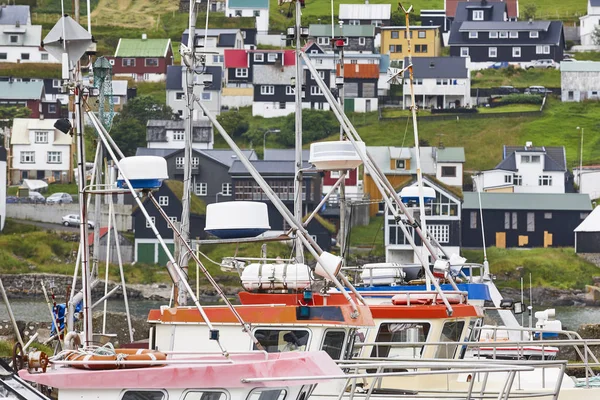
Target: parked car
[74,220]
[12,199]
[502,64]
[59,198]
[568,60]
[36,197]
[543,63]
[537,90]
[506,90]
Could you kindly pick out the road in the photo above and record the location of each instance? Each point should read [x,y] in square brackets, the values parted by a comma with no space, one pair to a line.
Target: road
[48,226]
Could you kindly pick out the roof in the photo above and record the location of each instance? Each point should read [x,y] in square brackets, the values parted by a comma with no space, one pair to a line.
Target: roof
[556,157]
[580,66]
[504,25]
[49,87]
[365,11]
[528,201]
[452,6]
[592,222]
[32,35]
[225,37]
[143,47]
[284,154]
[226,40]
[22,126]
[10,15]
[382,155]
[174,77]
[412,27]
[248,3]
[164,153]
[360,71]
[217,77]
[595,3]
[269,167]
[103,231]
[236,58]
[318,30]
[553,35]
[176,125]
[222,156]
[438,67]
[197,205]
[273,74]
[451,154]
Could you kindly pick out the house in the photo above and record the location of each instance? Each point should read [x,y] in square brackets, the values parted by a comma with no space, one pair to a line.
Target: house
[357,38]
[54,90]
[238,90]
[443,222]
[217,41]
[360,87]
[120,94]
[273,74]
[3,186]
[366,14]
[39,151]
[480,31]
[125,246]
[588,181]
[439,82]
[580,80]
[215,6]
[147,249]
[207,88]
[528,169]
[142,59]
[383,84]
[259,9]
[279,174]
[210,170]
[19,40]
[523,219]
[426,41]
[168,134]
[445,17]
[398,164]
[587,234]
[589,22]
[31,95]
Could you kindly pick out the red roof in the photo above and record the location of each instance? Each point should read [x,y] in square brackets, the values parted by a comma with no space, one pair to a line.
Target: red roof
[236,58]
[289,57]
[103,231]
[512,7]
[360,71]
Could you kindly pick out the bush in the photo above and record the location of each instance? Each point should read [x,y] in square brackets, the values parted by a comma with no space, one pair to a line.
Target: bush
[520,99]
[569,44]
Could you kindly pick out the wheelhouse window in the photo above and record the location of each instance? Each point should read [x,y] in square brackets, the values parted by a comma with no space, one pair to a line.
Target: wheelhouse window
[282,340]
[267,394]
[333,343]
[451,332]
[401,333]
[144,395]
[205,395]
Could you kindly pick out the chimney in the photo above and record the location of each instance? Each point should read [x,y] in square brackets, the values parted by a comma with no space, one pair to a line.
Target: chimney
[144,36]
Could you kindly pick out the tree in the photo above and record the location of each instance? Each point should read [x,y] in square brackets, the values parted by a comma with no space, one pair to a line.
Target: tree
[316,125]
[129,134]
[235,123]
[144,108]
[529,11]
[8,114]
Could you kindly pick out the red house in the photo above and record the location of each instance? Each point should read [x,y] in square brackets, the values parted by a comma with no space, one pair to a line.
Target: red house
[143,59]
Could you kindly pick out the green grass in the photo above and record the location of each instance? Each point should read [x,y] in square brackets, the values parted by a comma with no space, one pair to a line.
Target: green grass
[156,90]
[369,237]
[587,56]
[556,9]
[509,108]
[520,78]
[30,70]
[560,268]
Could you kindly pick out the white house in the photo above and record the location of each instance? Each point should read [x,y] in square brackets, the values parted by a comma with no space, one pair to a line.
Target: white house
[439,82]
[167,134]
[39,151]
[589,22]
[21,43]
[527,169]
[259,9]
[217,41]
[580,80]
[2,187]
[207,88]
[589,181]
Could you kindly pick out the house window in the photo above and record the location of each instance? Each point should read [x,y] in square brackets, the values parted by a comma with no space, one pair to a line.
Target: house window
[530,222]
[516,52]
[179,96]
[259,57]
[422,35]
[517,180]
[473,35]
[376,22]
[215,59]
[241,72]
[395,34]
[534,34]
[421,48]
[173,221]
[151,62]
[506,220]
[508,178]
[14,38]
[195,162]
[514,34]
[267,90]
[24,56]
[354,22]
[494,35]
[238,13]
[54,157]
[493,52]
[226,189]
[464,52]
[440,232]
[473,220]
[548,215]
[448,172]
[290,90]
[396,48]
[206,96]
[44,56]
[201,188]
[257,13]
[52,108]
[272,57]
[315,91]
[128,62]
[179,162]
[3,56]
[400,164]
[545,49]
[411,35]
[41,137]
[545,180]
[323,41]
[514,220]
[503,34]
[163,201]
[477,15]
[153,220]
[178,135]
[362,41]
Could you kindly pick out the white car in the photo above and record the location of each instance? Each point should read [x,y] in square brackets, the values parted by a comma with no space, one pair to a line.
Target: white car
[544,63]
[59,198]
[74,220]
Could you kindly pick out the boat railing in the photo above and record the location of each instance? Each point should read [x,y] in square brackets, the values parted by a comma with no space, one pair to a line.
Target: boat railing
[418,296]
[367,378]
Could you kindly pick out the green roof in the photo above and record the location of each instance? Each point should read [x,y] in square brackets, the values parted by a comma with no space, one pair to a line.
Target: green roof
[451,154]
[528,201]
[197,206]
[142,47]
[317,30]
[21,90]
[326,224]
[248,3]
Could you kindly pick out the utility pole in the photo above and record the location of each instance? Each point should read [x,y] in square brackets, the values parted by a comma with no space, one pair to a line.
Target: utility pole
[298,182]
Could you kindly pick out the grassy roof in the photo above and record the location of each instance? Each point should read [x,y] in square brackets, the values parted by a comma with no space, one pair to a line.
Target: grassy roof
[455,190]
[326,224]
[197,205]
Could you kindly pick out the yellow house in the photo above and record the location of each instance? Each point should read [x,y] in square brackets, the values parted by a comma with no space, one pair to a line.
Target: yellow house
[426,41]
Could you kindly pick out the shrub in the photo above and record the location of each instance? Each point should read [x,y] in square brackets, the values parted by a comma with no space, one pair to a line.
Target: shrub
[521,99]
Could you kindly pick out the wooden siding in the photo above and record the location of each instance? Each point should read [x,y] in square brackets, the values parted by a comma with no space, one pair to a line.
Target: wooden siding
[372,192]
[432,39]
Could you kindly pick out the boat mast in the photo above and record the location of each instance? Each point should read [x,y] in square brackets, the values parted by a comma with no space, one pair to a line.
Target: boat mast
[342,191]
[298,182]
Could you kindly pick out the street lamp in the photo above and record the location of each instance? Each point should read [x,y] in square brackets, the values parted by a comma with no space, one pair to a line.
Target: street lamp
[580,159]
[265,139]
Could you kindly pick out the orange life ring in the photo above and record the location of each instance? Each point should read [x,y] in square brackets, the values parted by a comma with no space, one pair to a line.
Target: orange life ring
[113,361]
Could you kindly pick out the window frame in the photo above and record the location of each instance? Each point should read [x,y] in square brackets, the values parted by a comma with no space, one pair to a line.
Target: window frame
[513,34]
[477,15]
[464,52]
[503,35]
[163,201]
[395,34]
[258,57]
[151,65]
[179,162]
[516,50]
[221,390]
[323,41]
[493,34]
[153,219]
[201,189]
[54,157]
[473,220]
[445,174]
[43,134]
[290,90]
[281,329]
[128,62]
[492,52]
[27,154]
[267,90]
[362,41]
[270,57]
[344,342]
[473,34]
[534,34]
[267,389]
[241,72]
